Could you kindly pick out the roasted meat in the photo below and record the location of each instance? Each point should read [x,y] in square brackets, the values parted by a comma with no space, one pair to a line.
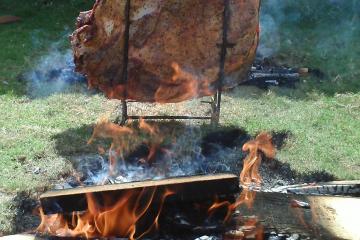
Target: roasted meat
[173,47]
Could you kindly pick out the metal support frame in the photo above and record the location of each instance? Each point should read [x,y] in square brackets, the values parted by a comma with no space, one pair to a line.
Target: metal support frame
[216,100]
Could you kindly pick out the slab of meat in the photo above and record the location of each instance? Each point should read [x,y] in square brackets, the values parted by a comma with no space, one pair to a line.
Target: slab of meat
[174,48]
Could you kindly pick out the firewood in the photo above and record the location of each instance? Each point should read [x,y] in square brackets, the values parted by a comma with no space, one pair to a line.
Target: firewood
[193,188]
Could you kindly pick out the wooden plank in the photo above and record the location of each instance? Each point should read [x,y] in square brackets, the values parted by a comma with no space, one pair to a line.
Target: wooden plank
[192,188]
[329,217]
[19,237]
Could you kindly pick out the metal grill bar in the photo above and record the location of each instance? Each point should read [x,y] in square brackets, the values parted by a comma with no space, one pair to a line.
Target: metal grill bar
[168,117]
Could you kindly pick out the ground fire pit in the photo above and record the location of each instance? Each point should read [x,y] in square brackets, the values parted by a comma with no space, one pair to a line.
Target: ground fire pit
[202,207]
[198,207]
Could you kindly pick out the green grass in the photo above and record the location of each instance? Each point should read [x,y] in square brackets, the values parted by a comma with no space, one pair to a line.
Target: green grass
[43,22]
[320,35]
[29,128]
[322,115]
[324,131]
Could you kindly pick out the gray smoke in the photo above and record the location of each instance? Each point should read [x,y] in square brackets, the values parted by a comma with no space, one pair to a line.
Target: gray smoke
[184,157]
[54,72]
[286,23]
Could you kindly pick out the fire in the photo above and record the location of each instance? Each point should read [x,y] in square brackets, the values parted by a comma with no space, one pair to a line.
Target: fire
[191,86]
[155,140]
[249,228]
[127,215]
[261,144]
[246,197]
[119,219]
[108,130]
[123,138]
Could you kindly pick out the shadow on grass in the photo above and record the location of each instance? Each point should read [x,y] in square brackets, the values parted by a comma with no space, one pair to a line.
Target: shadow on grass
[74,141]
[215,144]
[22,213]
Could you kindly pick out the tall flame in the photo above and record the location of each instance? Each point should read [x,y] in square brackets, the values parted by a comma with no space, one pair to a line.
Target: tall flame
[261,144]
[250,172]
[155,140]
[108,130]
[122,136]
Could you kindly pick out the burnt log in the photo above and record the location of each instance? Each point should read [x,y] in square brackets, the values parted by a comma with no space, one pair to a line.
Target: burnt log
[173,48]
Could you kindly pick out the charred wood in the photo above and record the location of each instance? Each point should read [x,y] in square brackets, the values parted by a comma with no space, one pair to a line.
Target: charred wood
[187,189]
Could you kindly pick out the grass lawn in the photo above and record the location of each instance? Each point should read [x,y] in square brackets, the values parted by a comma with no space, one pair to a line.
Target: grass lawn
[321,115]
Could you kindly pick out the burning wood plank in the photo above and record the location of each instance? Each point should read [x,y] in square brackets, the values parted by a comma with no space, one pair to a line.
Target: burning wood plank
[126,210]
[167,50]
[186,188]
[326,217]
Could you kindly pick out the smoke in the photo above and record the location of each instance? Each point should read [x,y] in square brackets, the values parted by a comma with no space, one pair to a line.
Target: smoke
[297,24]
[188,154]
[318,34]
[54,72]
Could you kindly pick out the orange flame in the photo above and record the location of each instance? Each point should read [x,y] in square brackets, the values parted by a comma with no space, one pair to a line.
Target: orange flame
[187,86]
[245,229]
[120,136]
[261,144]
[111,220]
[108,130]
[155,141]
[250,228]
[246,197]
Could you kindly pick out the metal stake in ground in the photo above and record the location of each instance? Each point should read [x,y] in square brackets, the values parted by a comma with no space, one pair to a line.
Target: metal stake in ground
[216,106]
[124,79]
